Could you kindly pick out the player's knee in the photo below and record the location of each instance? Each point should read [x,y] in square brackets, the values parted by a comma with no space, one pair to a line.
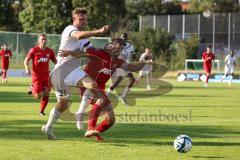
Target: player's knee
[92,86]
[62,105]
[103,100]
[46,93]
[132,80]
[38,95]
[111,119]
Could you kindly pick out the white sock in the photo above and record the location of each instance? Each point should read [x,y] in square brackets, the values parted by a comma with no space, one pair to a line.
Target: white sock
[125,91]
[148,80]
[230,80]
[224,76]
[108,91]
[53,117]
[87,96]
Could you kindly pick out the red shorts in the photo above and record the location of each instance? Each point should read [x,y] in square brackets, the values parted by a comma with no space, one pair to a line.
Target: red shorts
[5,65]
[82,89]
[207,69]
[39,85]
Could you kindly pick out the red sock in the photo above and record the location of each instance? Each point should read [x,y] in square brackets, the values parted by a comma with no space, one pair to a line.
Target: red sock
[44,102]
[93,116]
[207,79]
[4,75]
[104,125]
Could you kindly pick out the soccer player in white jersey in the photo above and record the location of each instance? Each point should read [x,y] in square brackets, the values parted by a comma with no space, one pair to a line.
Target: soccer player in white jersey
[126,55]
[147,69]
[67,72]
[230,63]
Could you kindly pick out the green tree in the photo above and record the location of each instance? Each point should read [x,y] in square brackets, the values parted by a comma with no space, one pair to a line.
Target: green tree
[47,16]
[9,10]
[213,6]
[158,41]
[103,12]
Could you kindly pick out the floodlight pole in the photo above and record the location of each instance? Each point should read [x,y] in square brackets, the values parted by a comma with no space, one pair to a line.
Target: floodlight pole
[183,27]
[17,48]
[169,18]
[154,22]
[213,41]
[140,23]
[199,23]
[229,32]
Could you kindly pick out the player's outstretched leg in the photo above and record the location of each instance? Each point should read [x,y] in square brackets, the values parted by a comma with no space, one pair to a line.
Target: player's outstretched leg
[107,122]
[55,114]
[114,85]
[87,96]
[230,80]
[44,102]
[130,76]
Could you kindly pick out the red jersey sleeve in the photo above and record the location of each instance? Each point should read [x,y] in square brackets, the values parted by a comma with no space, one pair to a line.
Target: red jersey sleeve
[93,51]
[30,53]
[119,62]
[10,53]
[53,57]
[204,56]
[213,56]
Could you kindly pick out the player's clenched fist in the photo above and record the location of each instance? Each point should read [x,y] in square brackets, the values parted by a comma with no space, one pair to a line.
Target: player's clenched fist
[104,29]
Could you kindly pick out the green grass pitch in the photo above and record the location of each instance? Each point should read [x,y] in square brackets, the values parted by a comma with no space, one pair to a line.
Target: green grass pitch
[210,116]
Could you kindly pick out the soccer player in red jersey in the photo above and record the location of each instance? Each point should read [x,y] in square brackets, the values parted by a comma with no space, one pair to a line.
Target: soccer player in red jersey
[103,64]
[208,57]
[5,54]
[40,56]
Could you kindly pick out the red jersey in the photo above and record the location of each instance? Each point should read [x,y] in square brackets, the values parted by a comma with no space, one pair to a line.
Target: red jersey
[5,54]
[211,57]
[101,66]
[40,61]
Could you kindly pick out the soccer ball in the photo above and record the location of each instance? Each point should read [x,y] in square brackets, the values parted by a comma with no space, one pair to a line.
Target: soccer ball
[183,144]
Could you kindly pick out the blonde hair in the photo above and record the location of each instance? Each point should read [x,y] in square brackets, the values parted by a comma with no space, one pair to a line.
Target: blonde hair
[79,10]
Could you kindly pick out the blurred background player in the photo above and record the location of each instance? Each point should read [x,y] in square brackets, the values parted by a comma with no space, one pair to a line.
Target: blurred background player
[5,54]
[67,72]
[230,63]
[40,56]
[147,69]
[126,55]
[208,57]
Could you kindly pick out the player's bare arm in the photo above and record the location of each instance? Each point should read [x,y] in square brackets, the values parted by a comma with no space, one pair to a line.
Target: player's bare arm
[26,65]
[65,53]
[133,67]
[87,34]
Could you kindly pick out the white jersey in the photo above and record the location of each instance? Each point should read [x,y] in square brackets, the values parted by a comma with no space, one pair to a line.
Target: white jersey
[147,68]
[67,71]
[143,57]
[72,44]
[229,60]
[127,52]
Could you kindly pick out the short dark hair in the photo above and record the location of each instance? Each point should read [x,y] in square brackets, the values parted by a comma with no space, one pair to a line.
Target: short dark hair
[79,10]
[209,46]
[118,40]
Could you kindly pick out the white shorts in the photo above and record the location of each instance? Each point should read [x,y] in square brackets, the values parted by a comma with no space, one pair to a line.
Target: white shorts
[62,81]
[145,70]
[120,72]
[228,69]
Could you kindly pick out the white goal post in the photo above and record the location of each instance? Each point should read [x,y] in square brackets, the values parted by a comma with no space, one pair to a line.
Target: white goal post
[200,60]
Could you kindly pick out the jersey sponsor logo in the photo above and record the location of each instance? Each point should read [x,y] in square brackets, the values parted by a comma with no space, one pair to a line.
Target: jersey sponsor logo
[6,55]
[105,71]
[43,60]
